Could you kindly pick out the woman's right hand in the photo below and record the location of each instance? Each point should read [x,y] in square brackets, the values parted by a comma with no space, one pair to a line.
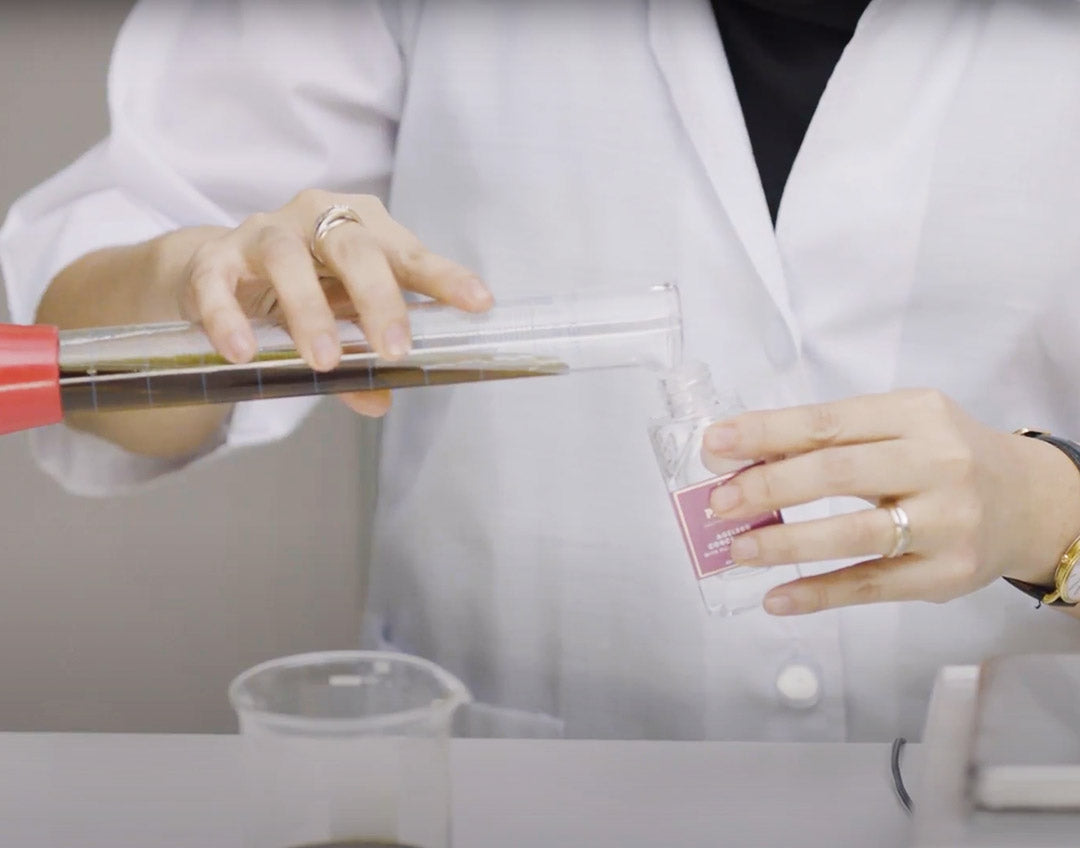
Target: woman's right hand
[265,267]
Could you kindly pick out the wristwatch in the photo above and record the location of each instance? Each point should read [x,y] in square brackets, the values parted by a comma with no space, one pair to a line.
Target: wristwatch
[1066,589]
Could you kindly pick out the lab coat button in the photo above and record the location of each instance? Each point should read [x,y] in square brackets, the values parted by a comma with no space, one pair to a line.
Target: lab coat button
[799,685]
[779,346]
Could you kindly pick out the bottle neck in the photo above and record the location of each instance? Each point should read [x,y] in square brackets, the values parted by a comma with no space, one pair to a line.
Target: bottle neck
[689,391]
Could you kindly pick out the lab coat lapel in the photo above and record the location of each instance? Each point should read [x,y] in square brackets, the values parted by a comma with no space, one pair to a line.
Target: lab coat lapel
[686,44]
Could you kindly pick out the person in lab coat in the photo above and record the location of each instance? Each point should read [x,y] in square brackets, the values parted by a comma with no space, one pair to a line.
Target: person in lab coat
[893,301]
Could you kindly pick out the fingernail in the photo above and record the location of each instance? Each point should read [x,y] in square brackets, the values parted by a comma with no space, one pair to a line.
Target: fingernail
[477,292]
[396,340]
[744,548]
[238,346]
[779,604]
[325,350]
[721,437]
[725,497]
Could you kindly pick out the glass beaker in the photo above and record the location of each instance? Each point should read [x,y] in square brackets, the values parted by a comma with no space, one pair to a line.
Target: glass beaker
[347,748]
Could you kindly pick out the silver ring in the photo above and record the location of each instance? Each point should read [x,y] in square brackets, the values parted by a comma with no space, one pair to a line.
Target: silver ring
[901,531]
[333,217]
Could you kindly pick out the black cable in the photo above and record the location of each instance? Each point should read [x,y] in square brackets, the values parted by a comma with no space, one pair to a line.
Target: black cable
[898,777]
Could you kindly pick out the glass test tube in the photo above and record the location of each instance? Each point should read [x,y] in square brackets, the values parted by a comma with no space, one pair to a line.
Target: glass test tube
[174,364]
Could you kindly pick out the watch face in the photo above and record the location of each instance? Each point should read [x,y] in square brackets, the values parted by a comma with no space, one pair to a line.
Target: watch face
[1070,586]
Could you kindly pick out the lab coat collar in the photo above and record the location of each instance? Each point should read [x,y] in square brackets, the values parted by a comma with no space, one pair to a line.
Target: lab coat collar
[686,44]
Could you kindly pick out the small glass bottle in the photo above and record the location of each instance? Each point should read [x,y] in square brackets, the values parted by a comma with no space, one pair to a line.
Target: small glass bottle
[693,404]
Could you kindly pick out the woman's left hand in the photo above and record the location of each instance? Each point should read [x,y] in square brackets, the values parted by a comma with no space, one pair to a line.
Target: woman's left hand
[981,503]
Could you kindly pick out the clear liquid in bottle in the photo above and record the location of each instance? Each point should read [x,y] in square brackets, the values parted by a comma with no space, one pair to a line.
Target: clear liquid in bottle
[693,404]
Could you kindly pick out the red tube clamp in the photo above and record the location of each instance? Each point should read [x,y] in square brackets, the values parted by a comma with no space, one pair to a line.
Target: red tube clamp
[29,377]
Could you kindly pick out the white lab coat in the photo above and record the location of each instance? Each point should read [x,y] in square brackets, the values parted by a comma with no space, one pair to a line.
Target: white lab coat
[928,237]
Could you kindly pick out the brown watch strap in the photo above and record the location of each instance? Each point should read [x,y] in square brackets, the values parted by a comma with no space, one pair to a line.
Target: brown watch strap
[1037,592]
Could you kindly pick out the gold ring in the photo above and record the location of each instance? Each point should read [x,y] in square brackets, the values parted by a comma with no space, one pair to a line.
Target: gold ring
[901,531]
[333,217]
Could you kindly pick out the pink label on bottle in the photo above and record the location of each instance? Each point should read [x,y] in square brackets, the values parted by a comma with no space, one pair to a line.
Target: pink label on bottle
[708,538]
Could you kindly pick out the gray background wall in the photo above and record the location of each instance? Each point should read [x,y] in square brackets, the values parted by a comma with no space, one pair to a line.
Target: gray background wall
[133,613]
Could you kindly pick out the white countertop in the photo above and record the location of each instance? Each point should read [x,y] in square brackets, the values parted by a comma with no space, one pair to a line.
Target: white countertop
[151,791]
